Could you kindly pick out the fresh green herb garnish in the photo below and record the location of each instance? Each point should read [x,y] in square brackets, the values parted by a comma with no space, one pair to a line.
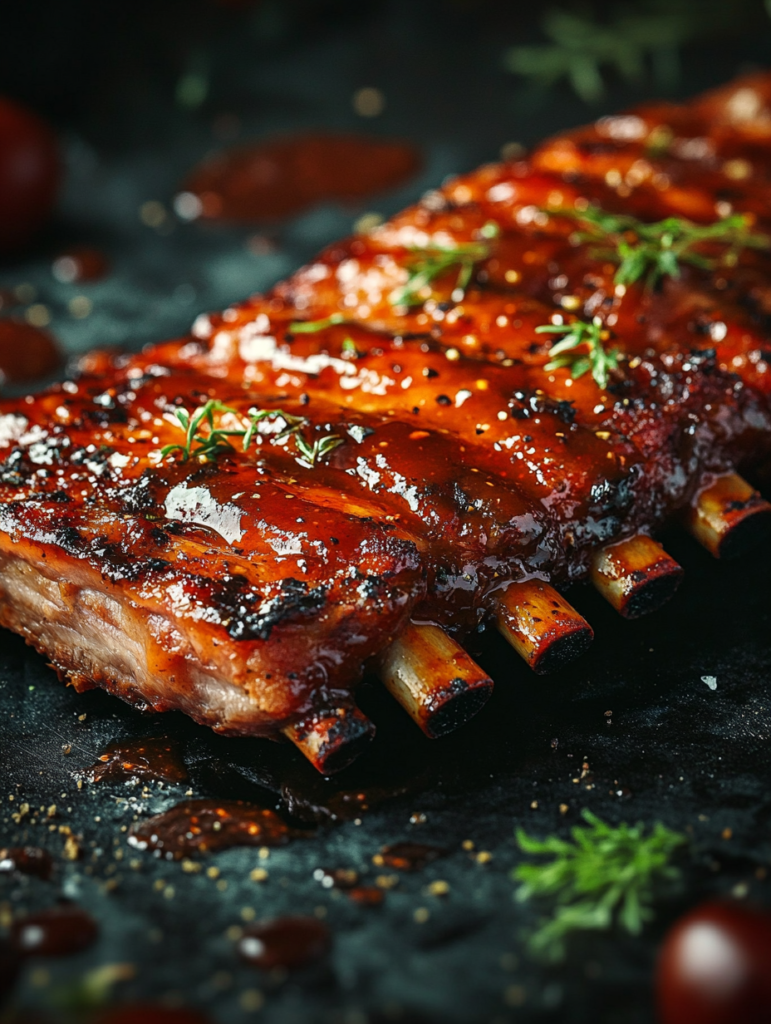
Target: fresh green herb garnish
[203,445]
[594,357]
[214,443]
[604,876]
[311,326]
[652,251]
[430,263]
[635,39]
[321,447]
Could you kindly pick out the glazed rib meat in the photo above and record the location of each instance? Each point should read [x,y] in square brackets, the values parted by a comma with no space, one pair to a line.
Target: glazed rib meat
[382,447]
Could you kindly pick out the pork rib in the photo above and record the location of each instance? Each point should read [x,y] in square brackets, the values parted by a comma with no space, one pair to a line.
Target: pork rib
[386,455]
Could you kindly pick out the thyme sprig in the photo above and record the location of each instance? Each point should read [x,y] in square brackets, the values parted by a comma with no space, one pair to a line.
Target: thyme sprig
[594,356]
[213,443]
[429,263]
[311,454]
[635,39]
[203,445]
[605,876]
[650,252]
[312,326]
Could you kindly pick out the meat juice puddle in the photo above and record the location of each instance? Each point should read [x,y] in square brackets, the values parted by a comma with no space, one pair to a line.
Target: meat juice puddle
[273,180]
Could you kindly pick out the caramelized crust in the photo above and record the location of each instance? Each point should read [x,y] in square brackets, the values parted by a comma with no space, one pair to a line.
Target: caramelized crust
[251,589]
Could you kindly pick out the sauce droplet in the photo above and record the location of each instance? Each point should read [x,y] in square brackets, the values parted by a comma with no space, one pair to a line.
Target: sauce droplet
[154,757]
[80,264]
[408,856]
[26,352]
[288,942]
[26,860]
[366,895]
[58,931]
[277,179]
[201,826]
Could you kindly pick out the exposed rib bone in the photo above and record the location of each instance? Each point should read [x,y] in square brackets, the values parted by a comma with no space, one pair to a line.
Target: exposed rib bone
[636,576]
[541,626]
[434,679]
[332,739]
[729,516]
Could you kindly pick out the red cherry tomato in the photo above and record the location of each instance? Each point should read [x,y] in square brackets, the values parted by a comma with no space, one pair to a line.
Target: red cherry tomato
[715,967]
[29,174]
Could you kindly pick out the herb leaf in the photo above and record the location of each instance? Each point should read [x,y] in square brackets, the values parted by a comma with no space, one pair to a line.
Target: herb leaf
[430,263]
[209,446]
[604,875]
[652,251]
[635,38]
[589,339]
[312,326]
[321,447]
[206,446]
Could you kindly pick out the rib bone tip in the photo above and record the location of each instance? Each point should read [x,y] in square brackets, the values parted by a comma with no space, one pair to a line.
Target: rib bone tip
[332,739]
[729,517]
[437,683]
[541,626]
[636,576]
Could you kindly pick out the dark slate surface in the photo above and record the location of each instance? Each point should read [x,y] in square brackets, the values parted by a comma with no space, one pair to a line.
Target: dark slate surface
[660,743]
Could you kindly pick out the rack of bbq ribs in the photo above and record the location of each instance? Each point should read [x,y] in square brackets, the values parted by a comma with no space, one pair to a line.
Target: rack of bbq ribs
[439,425]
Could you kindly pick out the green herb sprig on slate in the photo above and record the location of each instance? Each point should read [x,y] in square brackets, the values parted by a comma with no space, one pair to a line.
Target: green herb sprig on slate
[634,39]
[605,876]
[427,264]
[594,357]
[650,252]
[208,446]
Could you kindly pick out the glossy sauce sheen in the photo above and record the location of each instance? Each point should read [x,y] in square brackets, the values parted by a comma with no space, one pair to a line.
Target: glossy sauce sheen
[203,826]
[257,587]
[277,179]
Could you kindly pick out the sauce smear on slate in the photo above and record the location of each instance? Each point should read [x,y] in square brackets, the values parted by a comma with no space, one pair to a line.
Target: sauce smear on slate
[58,931]
[26,352]
[279,178]
[288,942]
[26,860]
[150,757]
[202,826]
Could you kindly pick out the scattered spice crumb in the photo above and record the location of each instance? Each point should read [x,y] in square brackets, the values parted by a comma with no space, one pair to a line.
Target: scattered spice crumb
[438,888]
[421,915]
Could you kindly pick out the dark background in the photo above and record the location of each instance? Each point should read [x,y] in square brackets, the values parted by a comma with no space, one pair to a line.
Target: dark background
[138,94]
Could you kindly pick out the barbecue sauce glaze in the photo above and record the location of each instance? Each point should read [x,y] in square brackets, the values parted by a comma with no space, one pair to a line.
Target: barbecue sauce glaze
[463,462]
